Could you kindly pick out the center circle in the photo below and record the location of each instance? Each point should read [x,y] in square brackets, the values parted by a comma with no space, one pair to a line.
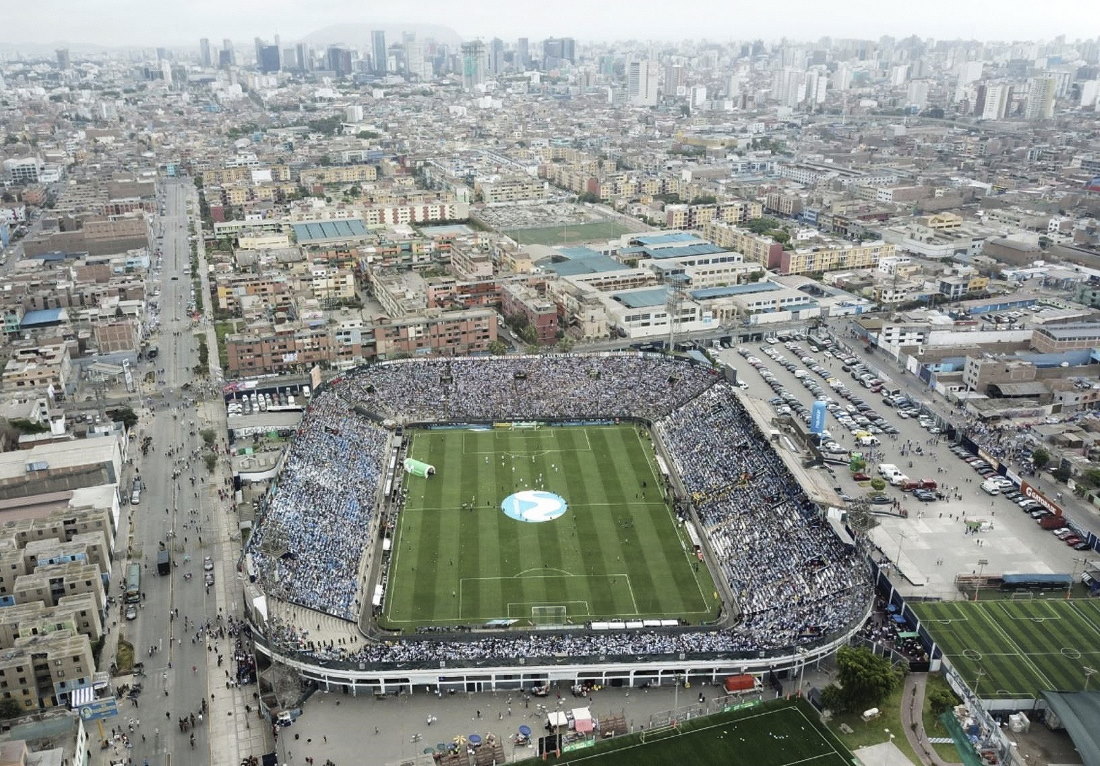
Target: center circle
[534,506]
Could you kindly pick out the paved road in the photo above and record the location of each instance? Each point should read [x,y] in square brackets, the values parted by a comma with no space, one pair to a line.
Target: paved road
[176,511]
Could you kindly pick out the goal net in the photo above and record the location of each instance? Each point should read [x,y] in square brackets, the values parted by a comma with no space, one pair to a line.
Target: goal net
[1022,595]
[660,732]
[548,616]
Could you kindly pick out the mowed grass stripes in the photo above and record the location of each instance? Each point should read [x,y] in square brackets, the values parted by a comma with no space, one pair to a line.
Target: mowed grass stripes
[1017,649]
[617,553]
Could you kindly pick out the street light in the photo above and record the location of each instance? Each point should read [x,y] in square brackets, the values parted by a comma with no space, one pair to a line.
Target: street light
[981,569]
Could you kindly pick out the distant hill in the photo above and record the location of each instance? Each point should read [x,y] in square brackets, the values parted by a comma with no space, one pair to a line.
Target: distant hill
[358,35]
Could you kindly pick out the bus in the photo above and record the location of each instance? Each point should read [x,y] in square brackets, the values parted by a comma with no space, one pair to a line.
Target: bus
[133,584]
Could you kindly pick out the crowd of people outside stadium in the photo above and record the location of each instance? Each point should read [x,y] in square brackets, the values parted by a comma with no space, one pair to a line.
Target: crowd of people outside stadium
[794,580]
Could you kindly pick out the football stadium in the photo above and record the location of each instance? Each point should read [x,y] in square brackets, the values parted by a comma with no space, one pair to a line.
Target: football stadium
[616,517]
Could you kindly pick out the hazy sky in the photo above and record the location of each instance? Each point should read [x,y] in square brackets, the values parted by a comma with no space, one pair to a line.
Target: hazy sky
[141,22]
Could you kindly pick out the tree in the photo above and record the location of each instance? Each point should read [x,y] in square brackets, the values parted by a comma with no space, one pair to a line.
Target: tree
[124,415]
[1092,476]
[878,485]
[1040,457]
[856,464]
[761,225]
[498,348]
[10,708]
[865,680]
[941,699]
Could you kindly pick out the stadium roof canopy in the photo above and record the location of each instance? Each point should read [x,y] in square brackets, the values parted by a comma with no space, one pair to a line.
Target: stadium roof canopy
[1080,714]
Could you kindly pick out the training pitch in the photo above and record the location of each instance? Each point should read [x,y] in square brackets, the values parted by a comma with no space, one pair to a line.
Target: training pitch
[546,526]
[1015,649]
[568,233]
[775,734]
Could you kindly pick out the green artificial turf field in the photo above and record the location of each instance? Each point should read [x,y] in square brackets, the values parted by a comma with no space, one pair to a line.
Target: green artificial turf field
[615,553]
[776,734]
[566,234]
[1015,649]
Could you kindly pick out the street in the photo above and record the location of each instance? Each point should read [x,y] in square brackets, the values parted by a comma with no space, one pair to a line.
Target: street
[180,510]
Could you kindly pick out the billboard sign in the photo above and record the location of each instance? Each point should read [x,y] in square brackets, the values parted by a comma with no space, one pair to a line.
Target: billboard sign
[1032,492]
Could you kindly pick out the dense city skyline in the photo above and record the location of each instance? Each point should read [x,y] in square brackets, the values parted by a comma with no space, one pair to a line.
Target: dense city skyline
[128,22]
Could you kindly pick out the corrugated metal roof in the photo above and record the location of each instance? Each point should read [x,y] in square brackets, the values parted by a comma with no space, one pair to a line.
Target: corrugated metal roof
[637,299]
[312,231]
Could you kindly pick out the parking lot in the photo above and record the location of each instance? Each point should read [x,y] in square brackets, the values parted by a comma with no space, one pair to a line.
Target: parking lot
[934,518]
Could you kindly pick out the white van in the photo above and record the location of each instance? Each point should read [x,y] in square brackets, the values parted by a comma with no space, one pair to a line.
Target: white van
[869,441]
[991,486]
[886,470]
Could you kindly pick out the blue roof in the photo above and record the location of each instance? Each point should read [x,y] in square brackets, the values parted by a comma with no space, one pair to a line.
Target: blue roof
[745,289]
[665,239]
[313,231]
[703,248]
[41,317]
[592,265]
[637,299]
[578,252]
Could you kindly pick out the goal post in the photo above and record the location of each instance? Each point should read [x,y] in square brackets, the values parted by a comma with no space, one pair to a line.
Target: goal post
[660,732]
[549,616]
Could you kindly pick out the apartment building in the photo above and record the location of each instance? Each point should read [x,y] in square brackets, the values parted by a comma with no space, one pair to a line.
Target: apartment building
[42,670]
[437,333]
[38,368]
[267,349]
[249,294]
[755,248]
[537,311]
[696,216]
[339,174]
[78,613]
[511,189]
[829,256]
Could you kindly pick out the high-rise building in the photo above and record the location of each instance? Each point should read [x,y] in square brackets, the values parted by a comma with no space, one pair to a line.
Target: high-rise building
[204,53]
[496,56]
[379,56]
[63,60]
[305,57]
[641,82]
[228,56]
[917,94]
[523,54]
[473,64]
[415,63]
[268,58]
[557,51]
[993,101]
[338,60]
[1040,98]
[675,78]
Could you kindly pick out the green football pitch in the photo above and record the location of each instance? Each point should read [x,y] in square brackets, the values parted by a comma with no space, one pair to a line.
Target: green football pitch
[775,734]
[567,234]
[615,553]
[1015,649]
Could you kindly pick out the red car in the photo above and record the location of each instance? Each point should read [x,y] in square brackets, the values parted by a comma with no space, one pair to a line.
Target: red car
[861,477]
[1071,540]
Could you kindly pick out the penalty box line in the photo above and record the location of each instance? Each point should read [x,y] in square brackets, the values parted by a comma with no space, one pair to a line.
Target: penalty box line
[518,577]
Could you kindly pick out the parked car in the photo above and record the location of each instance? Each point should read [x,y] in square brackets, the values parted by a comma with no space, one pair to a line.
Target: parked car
[861,477]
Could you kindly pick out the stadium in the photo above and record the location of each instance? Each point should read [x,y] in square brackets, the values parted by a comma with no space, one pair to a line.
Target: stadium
[507,522]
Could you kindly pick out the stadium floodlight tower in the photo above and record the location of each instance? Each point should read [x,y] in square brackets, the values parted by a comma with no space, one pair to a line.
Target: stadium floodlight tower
[677,294]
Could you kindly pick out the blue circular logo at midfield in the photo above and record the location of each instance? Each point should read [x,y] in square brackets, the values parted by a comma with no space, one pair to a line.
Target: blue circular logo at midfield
[534,506]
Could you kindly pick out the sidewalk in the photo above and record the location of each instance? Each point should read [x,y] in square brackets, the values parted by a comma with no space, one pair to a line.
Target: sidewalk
[912,706]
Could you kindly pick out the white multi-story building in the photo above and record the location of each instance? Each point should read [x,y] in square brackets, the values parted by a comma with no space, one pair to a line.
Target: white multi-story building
[641,82]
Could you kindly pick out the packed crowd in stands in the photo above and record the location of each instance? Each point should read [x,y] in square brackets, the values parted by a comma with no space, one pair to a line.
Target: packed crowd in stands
[792,577]
[794,580]
[302,548]
[528,387]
